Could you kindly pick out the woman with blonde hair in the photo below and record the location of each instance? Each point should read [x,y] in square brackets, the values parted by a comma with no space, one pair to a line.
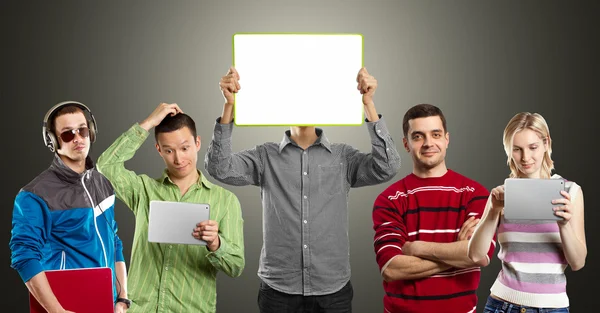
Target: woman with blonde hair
[534,253]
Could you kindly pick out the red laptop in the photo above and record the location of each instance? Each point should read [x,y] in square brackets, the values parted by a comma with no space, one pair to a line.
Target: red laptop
[84,290]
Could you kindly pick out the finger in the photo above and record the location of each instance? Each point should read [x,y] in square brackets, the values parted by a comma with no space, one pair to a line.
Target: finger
[233,72]
[209,228]
[225,86]
[178,109]
[470,233]
[561,201]
[566,216]
[363,71]
[468,221]
[365,86]
[473,223]
[561,208]
[498,194]
[208,238]
[461,233]
[565,194]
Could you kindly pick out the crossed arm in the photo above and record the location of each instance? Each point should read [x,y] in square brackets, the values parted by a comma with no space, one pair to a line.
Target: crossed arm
[401,259]
[420,259]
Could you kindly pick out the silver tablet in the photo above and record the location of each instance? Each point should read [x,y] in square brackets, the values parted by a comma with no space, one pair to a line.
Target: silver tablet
[174,222]
[531,199]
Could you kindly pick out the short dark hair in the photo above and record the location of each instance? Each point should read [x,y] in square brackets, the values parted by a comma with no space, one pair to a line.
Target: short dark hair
[422,110]
[175,122]
[67,109]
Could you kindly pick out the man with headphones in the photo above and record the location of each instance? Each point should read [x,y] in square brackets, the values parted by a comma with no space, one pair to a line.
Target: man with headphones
[64,218]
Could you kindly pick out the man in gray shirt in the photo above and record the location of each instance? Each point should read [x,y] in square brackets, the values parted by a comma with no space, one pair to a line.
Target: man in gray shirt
[304,182]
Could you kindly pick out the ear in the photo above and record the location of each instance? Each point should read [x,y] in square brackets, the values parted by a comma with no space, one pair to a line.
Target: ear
[447,139]
[157,147]
[405,143]
[546,141]
[198,143]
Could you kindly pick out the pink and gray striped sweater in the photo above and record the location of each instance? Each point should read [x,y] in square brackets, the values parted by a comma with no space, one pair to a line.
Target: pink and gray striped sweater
[533,262]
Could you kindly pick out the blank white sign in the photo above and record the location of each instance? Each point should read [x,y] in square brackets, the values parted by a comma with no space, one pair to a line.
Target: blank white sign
[298,79]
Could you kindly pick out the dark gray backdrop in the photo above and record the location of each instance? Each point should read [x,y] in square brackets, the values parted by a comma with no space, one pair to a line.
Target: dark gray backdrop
[480,61]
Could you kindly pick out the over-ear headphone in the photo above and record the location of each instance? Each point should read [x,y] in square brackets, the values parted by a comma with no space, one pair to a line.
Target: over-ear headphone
[50,139]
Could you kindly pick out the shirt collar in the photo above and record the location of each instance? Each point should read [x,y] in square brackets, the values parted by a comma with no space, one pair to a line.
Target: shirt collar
[321,140]
[201,180]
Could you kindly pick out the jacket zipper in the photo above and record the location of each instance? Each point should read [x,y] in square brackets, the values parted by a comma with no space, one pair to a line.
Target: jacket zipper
[94,214]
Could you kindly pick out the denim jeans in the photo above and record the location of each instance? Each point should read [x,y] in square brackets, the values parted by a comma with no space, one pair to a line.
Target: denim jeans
[273,301]
[494,305]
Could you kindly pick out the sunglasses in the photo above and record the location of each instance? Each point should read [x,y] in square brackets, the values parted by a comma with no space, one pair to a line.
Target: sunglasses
[69,135]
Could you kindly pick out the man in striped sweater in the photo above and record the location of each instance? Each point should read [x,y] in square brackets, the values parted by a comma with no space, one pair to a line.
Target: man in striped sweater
[423,223]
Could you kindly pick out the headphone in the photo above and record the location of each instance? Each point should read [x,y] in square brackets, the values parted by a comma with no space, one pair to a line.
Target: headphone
[50,139]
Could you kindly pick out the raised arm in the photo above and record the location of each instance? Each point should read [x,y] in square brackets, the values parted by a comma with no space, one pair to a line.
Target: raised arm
[383,162]
[478,249]
[238,169]
[111,163]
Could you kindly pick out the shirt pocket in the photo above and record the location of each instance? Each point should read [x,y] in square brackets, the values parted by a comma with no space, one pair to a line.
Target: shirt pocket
[331,179]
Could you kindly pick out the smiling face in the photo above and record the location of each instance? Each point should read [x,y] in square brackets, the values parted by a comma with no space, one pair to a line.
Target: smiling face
[73,152]
[179,149]
[528,151]
[427,142]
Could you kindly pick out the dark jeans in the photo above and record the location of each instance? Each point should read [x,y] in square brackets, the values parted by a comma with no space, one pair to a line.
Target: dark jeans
[494,305]
[273,301]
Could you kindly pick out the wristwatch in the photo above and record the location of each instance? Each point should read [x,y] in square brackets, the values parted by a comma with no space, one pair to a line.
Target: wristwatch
[124,300]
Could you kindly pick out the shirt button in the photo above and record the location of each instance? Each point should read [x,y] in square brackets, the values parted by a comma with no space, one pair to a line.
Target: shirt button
[170,246]
[303,152]
[166,268]
[379,130]
[305,197]
[523,310]
[305,221]
[387,149]
[305,173]
[305,246]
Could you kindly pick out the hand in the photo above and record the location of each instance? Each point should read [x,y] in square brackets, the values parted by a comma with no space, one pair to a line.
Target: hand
[229,85]
[566,210]
[209,232]
[159,114]
[367,85]
[467,229]
[120,307]
[497,199]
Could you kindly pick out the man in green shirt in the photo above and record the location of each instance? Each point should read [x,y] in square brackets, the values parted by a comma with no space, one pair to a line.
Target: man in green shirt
[173,277]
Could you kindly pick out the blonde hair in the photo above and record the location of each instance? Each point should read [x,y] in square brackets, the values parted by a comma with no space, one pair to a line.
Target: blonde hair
[536,123]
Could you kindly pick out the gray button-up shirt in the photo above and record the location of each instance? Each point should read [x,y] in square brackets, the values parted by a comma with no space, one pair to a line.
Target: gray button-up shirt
[305,201]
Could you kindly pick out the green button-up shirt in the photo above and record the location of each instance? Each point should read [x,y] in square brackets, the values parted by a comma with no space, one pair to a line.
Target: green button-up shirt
[172,278]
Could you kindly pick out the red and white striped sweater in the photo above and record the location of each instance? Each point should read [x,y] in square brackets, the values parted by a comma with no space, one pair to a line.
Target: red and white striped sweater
[433,210]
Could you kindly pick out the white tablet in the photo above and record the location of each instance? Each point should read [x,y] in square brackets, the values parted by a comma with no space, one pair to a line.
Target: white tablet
[298,79]
[174,222]
[531,199]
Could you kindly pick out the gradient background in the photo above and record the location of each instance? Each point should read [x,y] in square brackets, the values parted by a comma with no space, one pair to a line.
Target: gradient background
[480,61]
